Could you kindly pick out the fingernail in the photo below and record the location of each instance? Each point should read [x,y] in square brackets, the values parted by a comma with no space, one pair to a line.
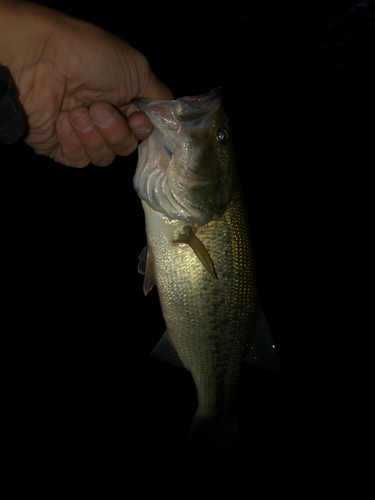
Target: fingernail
[104,117]
[84,123]
[65,124]
[142,130]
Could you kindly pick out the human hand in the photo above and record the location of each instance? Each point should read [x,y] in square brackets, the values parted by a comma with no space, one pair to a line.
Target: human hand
[76,82]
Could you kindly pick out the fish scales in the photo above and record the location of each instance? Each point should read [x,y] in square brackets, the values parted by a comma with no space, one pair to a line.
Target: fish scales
[210,322]
[199,254]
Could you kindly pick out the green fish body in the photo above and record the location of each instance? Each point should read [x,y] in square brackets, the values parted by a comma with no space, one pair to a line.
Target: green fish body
[199,256]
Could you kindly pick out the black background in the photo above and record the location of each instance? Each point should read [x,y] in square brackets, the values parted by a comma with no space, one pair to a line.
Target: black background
[76,328]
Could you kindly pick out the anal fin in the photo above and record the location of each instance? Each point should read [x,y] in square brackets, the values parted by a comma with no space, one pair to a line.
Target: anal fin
[165,351]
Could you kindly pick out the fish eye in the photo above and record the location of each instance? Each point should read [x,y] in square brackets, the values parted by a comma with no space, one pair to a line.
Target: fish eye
[222,135]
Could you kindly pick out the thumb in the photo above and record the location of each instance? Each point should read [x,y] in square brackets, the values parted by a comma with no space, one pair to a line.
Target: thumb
[153,88]
[156,89]
[138,122]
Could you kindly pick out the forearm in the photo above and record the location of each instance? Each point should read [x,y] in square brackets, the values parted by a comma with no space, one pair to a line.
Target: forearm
[8,13]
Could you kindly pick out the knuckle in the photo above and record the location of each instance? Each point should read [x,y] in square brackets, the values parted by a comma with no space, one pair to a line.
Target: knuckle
[129,149]
[104,160]
[76,161]
[80,163]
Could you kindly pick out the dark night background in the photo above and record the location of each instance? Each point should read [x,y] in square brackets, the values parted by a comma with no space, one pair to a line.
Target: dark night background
[76,328]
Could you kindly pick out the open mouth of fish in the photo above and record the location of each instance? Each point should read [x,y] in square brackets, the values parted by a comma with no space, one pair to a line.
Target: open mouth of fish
[171,176]
[185,114]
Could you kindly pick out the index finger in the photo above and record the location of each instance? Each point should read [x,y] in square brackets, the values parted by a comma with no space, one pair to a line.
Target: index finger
[114,128]
[140,125]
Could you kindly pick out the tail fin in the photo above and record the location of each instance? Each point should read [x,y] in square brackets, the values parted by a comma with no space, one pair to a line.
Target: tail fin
[206,432]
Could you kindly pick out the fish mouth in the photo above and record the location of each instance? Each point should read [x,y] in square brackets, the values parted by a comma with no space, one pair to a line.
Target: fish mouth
[171,118]
[167,176]
[215,93]
[141,102]
[183,109]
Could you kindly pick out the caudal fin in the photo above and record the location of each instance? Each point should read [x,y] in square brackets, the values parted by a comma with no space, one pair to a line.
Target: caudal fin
[206,432]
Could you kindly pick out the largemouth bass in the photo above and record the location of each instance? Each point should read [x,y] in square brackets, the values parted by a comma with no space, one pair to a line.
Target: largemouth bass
[199,255]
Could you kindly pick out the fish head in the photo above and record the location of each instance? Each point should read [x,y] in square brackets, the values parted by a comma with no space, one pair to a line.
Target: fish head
[195,157]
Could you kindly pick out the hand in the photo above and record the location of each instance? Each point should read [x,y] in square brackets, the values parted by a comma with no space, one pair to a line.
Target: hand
[76,82]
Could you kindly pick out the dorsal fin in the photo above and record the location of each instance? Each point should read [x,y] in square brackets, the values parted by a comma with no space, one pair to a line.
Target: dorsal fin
[262,352]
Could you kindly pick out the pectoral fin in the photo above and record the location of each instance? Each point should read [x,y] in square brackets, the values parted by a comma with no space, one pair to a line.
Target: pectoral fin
[188,237]
[146,267]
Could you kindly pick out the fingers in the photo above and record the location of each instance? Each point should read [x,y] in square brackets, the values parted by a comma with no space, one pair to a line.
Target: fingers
[96,134]
[113,128]
[71,151]
[139,124]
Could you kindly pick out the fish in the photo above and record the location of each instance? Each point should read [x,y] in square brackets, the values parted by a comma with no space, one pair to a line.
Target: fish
[199,256]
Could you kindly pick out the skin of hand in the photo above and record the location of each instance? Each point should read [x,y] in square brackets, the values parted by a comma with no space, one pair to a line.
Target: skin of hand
[75,83]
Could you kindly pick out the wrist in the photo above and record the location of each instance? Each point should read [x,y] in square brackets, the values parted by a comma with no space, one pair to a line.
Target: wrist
[24,31]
